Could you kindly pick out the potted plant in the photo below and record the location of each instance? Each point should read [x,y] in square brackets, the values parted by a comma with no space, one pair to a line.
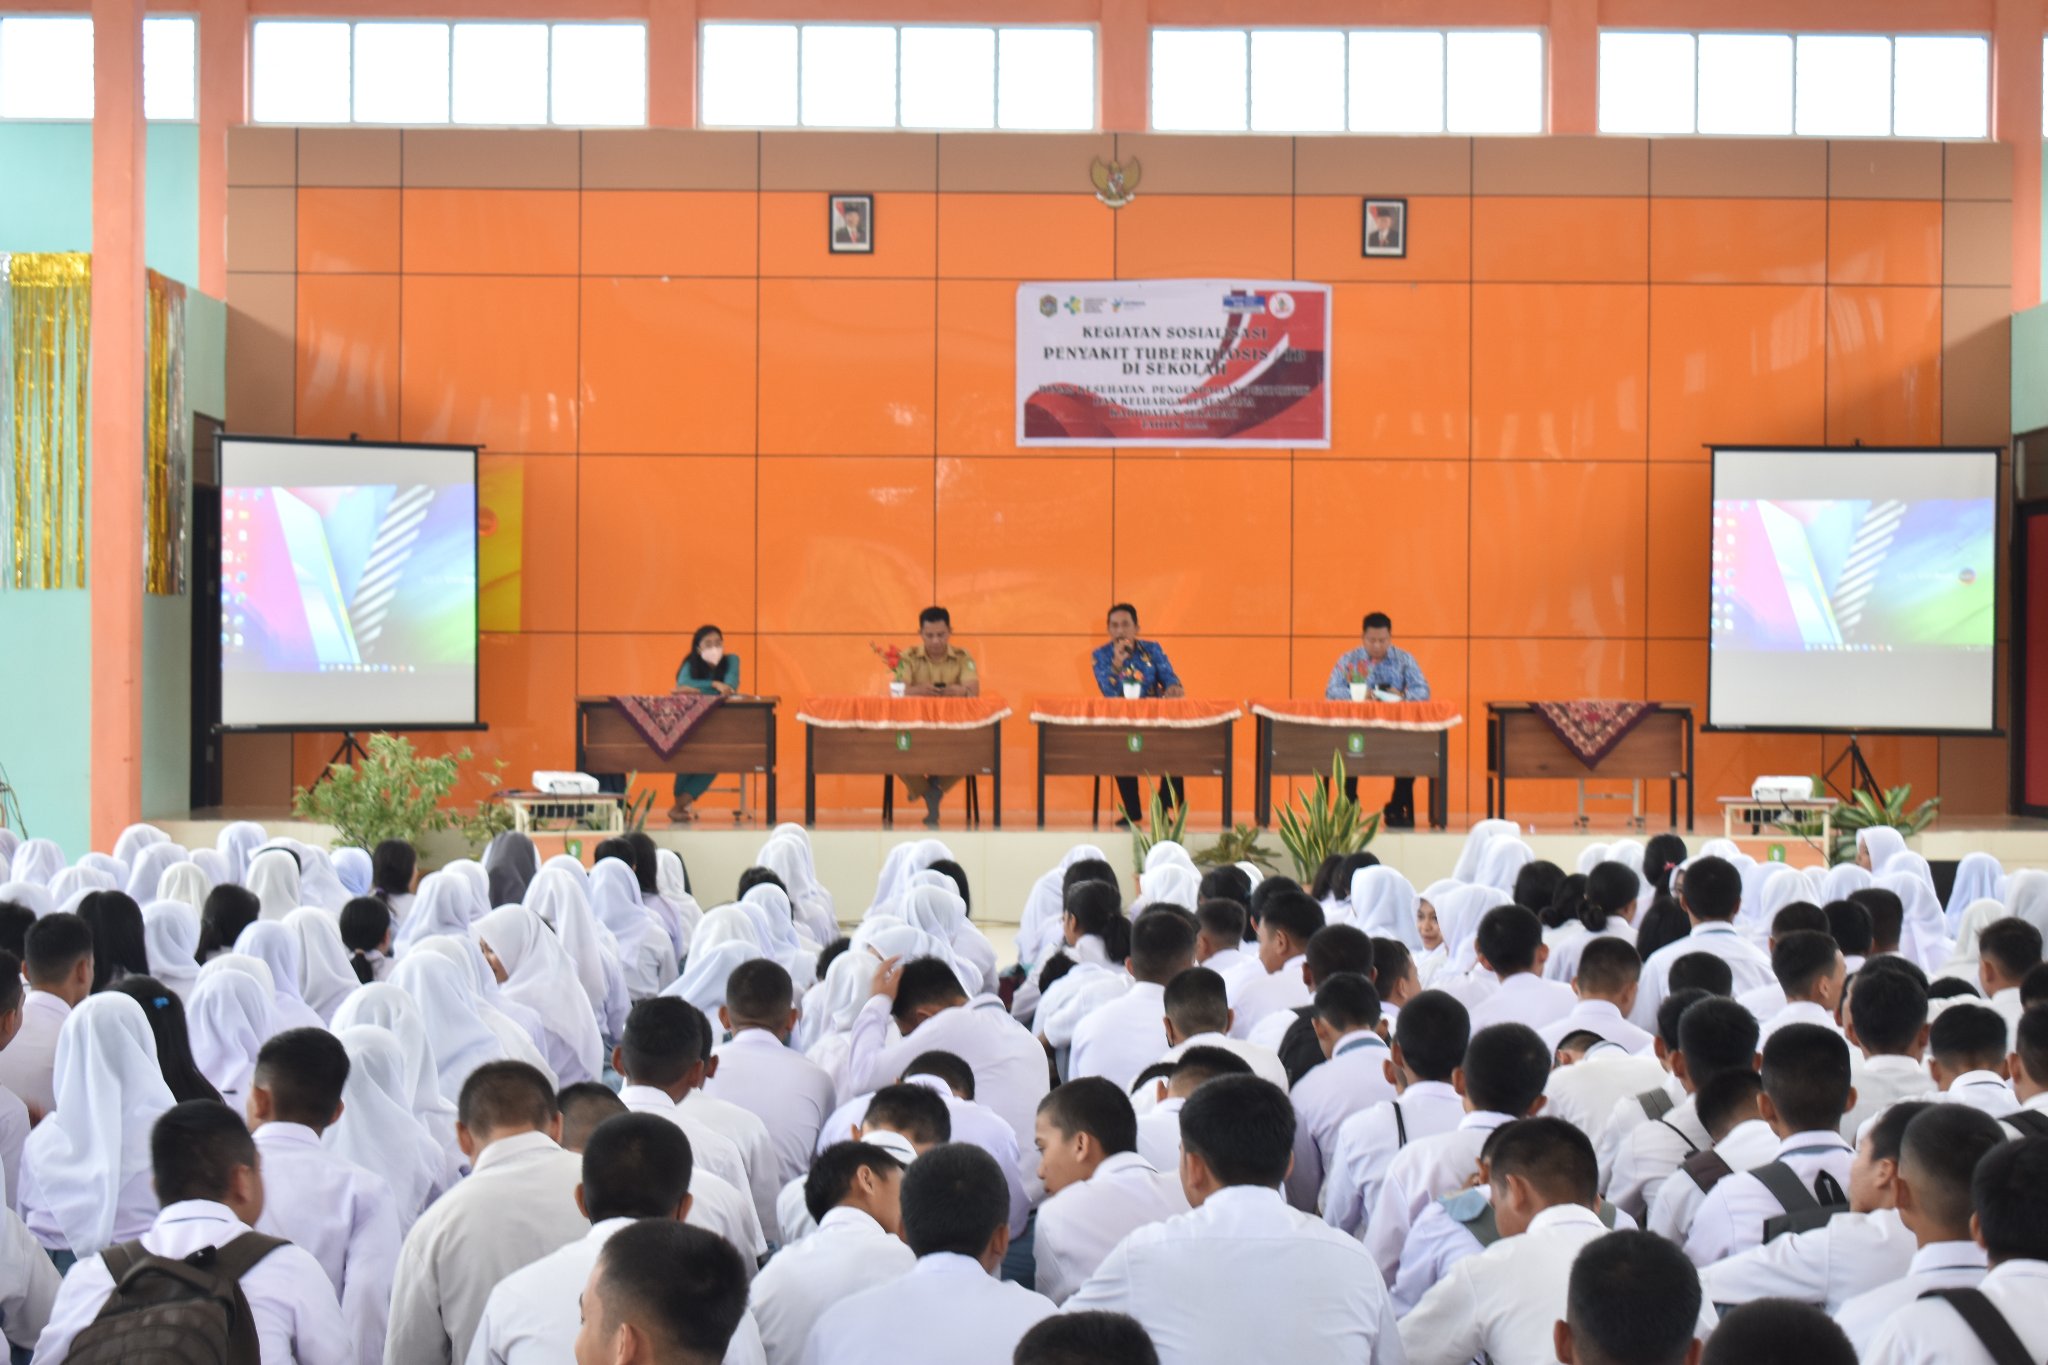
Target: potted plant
[394,793]
[1327,823]
[892,659]
[1355,677]
[1133,682]
[1239,844]
[1161,827]
[1864,811]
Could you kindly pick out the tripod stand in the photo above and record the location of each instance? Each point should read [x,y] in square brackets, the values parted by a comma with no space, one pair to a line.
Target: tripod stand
[350,750]
[1859,773]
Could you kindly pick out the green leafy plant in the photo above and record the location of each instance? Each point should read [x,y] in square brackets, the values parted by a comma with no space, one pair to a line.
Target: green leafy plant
[1161,826]
[1864,811]
[1327,823]
[394,793]
[1239,844]
[635,809]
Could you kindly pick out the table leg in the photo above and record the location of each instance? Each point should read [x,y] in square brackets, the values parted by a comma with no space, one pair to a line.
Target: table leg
[1440,785]
[995,796]
[771,769]
[810,779]
[1229,770]
[1041,777]
[1262,772]
[888,801]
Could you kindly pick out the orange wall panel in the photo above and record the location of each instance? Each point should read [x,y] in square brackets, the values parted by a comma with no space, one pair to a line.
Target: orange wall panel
[491,361]
[1884,366]
[533,496]
[1724,764]
[1197,543]
[1402,357]
[847,367]
[348,231]
[664,543]
[668,366]
[1559,550]
[1738,241]
[1585,240]
[796,238]
[1880,241]
[1680,507]
[1559,370]
[845,545]
[1380,535]
[348,343]
[1735,365]
[669,232]
[1329,230]
[996,520]
[490,232]
[1025,236]
[1197,235]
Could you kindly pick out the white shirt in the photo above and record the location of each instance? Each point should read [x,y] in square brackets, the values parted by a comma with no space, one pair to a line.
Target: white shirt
[1825,1266]
[1524,998]
[28,1063]
[1503,1302]
[711,1152]
[1568,942]
[1081,1225]
[28,1282]
[1594,1015]
[1934,1333]
[291,1302]
[1797,1012]
[1744,1147]
[1264,1062]
[1225,962]
[1763,1001]
[1260,996]
[1288,1288]
[532,1316]
[345,1217]
[1159,1134]
[1354,1077]
[515,1207]
[1881,1082]
[1427,1168]
[2007,1002]
[972,1122]
[1010,1073]
[783,1088]
[748,1133]
[14,1128]
[1585,1093]
[1649,1152]
[1119,1039]
[849,1252]
[1368,1141]
[1749,964]
[2037,1104]
[946,1310]
[1732,1218]
[1075,996]
[1938,1265]
[1985,1090]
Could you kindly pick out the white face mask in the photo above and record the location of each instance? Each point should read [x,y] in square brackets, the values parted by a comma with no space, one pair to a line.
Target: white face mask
[711,654]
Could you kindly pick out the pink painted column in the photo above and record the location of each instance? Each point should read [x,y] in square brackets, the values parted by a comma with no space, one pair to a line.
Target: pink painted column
[223,104]
[2016,121]
[672,63]
[1574,46]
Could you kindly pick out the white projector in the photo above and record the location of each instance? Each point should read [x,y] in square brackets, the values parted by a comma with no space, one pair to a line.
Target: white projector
[565,784]
[1781,789]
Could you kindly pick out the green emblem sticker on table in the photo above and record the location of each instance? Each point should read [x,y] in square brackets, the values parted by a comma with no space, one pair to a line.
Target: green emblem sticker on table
[1136,743]
[903,742]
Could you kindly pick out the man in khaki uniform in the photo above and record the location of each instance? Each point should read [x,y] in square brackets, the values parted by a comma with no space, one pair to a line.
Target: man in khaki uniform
[936,670]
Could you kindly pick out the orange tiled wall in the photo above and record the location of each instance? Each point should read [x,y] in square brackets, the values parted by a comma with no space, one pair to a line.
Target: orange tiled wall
[692,411]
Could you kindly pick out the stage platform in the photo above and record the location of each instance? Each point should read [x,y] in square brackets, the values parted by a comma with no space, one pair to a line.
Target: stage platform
[1001,865]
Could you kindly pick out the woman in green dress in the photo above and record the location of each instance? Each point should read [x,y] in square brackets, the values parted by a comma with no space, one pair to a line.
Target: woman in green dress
[707,669]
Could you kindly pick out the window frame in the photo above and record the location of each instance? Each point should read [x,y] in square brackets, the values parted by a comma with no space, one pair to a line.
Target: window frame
[188,16]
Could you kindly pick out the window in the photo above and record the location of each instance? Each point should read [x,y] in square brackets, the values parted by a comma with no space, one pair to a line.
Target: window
[1811,84]
[1333,81]
[423,73]
[46,67]
[890,76]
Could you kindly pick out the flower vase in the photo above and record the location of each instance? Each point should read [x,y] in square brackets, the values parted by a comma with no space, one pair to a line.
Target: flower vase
[1358,691]
[896,687]
[1133,691]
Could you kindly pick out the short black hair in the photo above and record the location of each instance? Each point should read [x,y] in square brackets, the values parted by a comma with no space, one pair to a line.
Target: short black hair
[1506,1066]
[1432,1030]
[1806,1075]
[194,1150]
[1608,965]
[1391,963]
[1634,1299]
[1093,1338]
[759,876]
[10,982]
[831,953]
[1162,944]
[1887,915]
[830,1178]
[365,923]
[1672,1009]
[1552,1155]
[1242,1128]
[636,1166]
[1376,620]
[1205,1063]
[56,944]
[1710,973]
[954,1199]
[759,991]
[305,1070]
[1886,1133]
[1796,916]
[1716,1034]
[584,1106]
[226,912]
[1508,938]
[392,864]
[1888,1010]
[1219,917]
[931,614]
[1777,1332]
[1346,1001]
[1944,1146]
[957,874]
[1086,870]
[16,920]
[2012,944]
[1124,607]
[2030,1041]
[1096,1107]
[949,1067]
[1968,1038]
[681,1285]
[1726,1100]
[1953,988]
[506,1094]
[615,847]
[1295,912]
[1197,1002]
[1338,948]
[660,1043]
[1802,959]
[915,1111]
[2010,1192]
[1892,962]
[1712,888]
[1849,922]
[926,981]
[2034,988]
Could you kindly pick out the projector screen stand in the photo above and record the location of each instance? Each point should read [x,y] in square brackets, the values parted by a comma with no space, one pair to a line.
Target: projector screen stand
[1859,773]
[351,749]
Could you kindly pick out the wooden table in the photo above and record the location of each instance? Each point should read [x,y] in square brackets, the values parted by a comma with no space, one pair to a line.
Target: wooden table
[903,737]
[1298,737]
[738,736]
[1520,744]
[1134,737]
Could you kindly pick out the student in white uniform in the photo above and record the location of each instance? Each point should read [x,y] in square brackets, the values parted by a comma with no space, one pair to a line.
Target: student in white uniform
[1353,1077]
[1806,1092]
[854,1194]
[742,1128]
[1940,1153]
[1886,1016]
[2009,1192]
[1766,1000]
[1510,945]
[1714,1035]
[758,1070]
[1966,1056]
[1198,1014]
[1159,1127]
[1087,1339]
[1503,1303]
[904,1120]
[1811,972]
[1632,1299]
[1428,1048]
[206,1171]
[1098,1187]
[14,1118]
[662,1292]
[2029,1063]
[28,1283]
[1711,892]
[517,1204]
[57,959]
[344,1216]
[1288,920]
[1729,1109]
[1119,1039]
[636,1166]
[1775,1332]
[949,1309]
[1298,1290]
[2007,950]
[1219,945]
[1604,985]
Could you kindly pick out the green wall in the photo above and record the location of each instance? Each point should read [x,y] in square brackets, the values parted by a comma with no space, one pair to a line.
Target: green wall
[2030,369]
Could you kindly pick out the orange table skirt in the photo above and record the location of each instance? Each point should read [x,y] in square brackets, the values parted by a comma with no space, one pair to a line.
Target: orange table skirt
[1362,715]
[903,713]
[1166,713]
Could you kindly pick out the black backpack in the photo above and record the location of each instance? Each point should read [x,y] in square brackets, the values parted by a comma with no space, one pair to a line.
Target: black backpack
[2000,1341]
[167,1311]
[1805,1209]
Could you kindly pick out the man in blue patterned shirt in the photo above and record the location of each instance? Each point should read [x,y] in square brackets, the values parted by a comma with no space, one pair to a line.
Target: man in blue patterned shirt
[1384,667]
[1128,659]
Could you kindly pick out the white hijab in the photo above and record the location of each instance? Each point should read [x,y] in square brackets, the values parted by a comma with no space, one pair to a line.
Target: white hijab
[1498,865]
[442,905]
[236,843]
[170,935]
[320,886]
[539,975]
[615,900]
[1965,955]
[377,1130]
[672,889]
[1882,843]
[1038,926]
[274,877]
[325,976]
[460,1039]
[36,898]
[892,880]
[848,982]
[888,938]
[1843,879]
[1483,833]
[230,1017]
[110,1093]
[562,900]
[78,881]
[727,937]
[1979,876]
[185,882]
[108,866]
[516,1027]
[1923,936]
[214,864]
[390,1007]
[1782,888]
[36,862]
[277,948]
[352,870]
[2026,895]
[134,839]
[1383,904]
[1458,915]
[775,918]
[1164,852]
[1171,883]
[146,873]
[1590,857]
[790,861]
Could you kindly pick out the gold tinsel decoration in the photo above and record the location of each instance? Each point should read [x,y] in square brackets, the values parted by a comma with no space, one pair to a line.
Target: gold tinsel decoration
[167,441]
[45,343]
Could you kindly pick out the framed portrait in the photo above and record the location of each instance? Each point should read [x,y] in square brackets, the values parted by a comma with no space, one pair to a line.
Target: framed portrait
[850,223]
[1386,228]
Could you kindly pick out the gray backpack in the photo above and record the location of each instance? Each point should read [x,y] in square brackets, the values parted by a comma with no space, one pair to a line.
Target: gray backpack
[169,1311]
